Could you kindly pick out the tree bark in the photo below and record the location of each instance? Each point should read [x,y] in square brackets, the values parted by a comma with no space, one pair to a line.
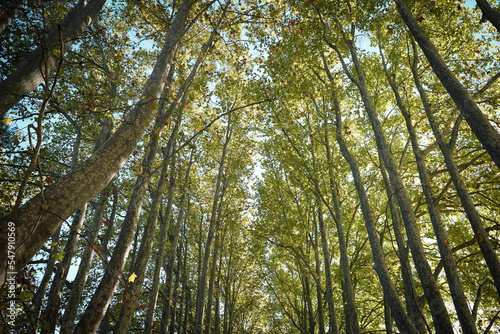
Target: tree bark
[403,322]
[319,294]
[438,309]
[153,295]
[456,289]
[82,275]
[202,283]
[43,59]
[128,309]
[42,215]
[475,220]
[174,241]
[478,122]
[489,13]
[344,258]
[413,307]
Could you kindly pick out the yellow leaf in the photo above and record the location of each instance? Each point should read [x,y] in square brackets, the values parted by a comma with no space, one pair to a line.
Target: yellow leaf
[139,172]
[132,277]
[56,52]
[7,120]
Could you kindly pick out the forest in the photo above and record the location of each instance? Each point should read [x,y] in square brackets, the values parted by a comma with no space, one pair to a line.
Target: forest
[250,166]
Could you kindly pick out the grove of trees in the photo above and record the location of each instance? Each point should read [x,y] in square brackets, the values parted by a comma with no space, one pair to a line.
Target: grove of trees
[250,166]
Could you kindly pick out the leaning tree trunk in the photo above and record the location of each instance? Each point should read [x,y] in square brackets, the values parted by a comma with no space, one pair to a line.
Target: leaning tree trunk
[44,58]
[438,309]
[42,215]
[140,266]
[478,122]
[153,294]
[473,216]
[456,289]
[82,275]
[344,258]
[489,13]
[413,307]
[403,322]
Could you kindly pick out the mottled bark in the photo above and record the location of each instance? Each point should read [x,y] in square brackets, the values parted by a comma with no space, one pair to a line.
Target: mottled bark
[413,307]
[140,266]
[42,215]
[153,294]
[319,293]
[211,283]
[478,122]
[44,283]
[43,59]
[337,217]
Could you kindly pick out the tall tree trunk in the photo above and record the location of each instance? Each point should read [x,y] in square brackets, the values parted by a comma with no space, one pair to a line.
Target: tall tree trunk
[481,234]
[403,322]
[76,188]
[202,283]
[134,288]
[332,314]
[438,309]
[30,72]
[478,122]
[413,307]
[80,280]
[47,275]
[153,294]
[169,274]
[456,289]
[211,283]
[321,316]
[344,258]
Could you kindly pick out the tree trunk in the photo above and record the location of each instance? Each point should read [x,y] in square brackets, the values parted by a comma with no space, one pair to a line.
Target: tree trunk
[456,289]
[169,274]
[321,316]
[30,72]
[413,307]
[438,309]
[211,282]
[128,309]
[478,122]
[481,234]
[47,275]
[403,322]
[84,182]
[202,283]
[344,259]
[153,294]
[489,13]
[78,284]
